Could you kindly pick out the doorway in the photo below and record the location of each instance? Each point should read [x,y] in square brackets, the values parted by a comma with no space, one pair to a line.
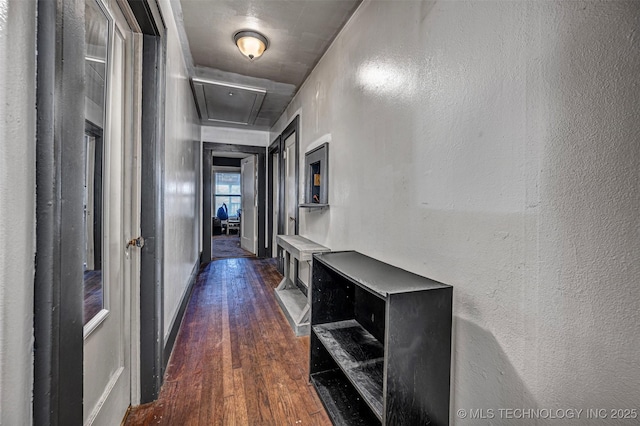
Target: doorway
[233,210]
[284,189]
[242,228]
[112,89]
[275,189]
[87,371]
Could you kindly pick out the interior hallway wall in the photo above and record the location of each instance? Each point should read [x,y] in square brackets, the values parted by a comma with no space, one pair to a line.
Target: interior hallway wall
[494,146]
[17,207]
[182,168]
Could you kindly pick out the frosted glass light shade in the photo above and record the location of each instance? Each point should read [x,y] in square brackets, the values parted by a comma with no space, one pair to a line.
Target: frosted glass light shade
[251,44]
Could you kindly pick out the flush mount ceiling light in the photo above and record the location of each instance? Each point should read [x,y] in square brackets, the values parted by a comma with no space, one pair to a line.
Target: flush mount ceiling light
[251,43]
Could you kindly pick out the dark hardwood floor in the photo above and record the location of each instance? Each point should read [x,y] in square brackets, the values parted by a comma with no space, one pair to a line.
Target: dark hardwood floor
[227,246]
[236,360]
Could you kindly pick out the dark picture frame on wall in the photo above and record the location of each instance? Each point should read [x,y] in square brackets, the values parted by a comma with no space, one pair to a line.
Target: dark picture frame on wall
[316,172]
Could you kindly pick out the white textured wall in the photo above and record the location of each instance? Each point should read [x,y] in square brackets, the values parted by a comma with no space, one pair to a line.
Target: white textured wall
[182,150]
[495,146]
[235,136]
[17,208]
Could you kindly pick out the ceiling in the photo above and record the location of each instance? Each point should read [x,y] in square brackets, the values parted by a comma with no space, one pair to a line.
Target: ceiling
[228,85]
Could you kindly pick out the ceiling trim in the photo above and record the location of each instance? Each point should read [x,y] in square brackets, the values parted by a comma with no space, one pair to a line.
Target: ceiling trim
[225,84]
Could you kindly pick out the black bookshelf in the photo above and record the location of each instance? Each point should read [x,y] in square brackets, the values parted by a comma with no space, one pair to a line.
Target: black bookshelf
[380,342]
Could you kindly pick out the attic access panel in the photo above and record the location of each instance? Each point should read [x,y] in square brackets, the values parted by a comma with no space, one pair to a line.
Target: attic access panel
[219,102]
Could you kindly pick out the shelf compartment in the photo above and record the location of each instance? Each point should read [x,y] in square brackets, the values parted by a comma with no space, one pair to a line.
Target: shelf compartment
[359,355]
[343,404]
[387,333]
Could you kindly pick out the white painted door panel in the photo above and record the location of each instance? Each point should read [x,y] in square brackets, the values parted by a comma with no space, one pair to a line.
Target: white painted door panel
[249,225]
[290,200]
[107,345]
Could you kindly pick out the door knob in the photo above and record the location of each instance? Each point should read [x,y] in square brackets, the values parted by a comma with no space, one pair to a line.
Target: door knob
[137,242]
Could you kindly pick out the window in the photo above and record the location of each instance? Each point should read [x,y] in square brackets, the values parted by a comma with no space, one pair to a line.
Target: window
[227,191]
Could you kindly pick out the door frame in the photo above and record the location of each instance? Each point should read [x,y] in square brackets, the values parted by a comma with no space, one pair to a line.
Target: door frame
[148,349]
[293,126]
[58,282]
[274,149]
[207,192]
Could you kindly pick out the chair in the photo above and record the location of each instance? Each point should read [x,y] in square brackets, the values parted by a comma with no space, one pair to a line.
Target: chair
[233,223]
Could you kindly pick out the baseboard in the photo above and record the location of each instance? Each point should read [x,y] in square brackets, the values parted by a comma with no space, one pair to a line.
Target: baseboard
[177,321]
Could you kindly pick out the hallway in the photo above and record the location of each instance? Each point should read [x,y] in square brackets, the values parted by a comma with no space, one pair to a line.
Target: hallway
[236,360]
[493,146]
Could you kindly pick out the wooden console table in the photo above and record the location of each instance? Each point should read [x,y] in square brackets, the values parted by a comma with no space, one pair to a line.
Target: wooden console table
[294,303]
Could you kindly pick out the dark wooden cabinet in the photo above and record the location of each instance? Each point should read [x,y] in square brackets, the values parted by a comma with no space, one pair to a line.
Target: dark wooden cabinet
[380,342]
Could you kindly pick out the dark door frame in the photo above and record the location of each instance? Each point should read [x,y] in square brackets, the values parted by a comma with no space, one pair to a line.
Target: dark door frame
[293,126]
[207,192]
[60,154]
[274,149]
[207,226]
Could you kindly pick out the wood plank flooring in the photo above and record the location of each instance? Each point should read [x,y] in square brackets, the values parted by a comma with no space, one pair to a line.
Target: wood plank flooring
[227,247]
[236,360]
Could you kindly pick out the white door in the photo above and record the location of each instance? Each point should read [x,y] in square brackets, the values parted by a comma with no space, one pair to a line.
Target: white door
[249,221]
[112,60]
[290,199]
